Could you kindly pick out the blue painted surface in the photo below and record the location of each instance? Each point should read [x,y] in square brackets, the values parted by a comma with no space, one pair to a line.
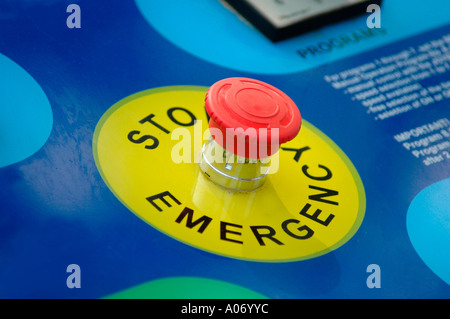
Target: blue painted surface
[56,209]
[207,30]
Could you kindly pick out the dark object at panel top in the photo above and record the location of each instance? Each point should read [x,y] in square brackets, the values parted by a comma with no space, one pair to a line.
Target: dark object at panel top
[282,19]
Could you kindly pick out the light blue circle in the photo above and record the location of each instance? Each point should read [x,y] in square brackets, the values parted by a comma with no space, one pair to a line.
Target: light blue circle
[208,30]
[26,117]
[428,225]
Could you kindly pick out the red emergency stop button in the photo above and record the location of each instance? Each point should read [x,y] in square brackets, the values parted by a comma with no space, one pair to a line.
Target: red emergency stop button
[251,118]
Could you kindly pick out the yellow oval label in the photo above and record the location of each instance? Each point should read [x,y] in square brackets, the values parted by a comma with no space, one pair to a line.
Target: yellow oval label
[313,203]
